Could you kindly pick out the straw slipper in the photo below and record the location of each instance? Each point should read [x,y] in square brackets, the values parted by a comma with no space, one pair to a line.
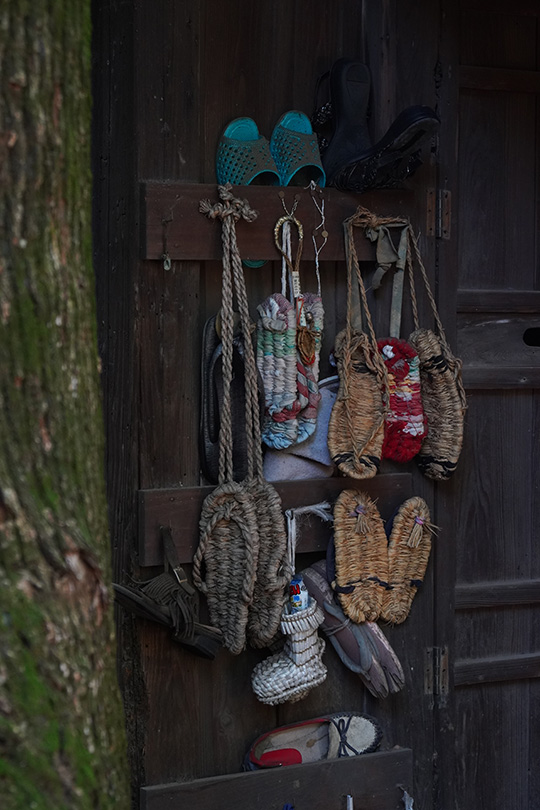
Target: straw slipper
[409,547]
[361,556]
[444,403]
[356,427]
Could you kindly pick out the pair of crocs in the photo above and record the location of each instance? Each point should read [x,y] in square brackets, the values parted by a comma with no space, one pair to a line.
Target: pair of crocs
[290,158]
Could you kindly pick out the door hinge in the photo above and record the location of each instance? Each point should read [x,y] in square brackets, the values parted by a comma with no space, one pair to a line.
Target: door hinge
[436,671]
[438,213]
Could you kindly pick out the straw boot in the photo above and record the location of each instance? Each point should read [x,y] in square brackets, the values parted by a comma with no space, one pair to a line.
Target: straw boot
[290,674]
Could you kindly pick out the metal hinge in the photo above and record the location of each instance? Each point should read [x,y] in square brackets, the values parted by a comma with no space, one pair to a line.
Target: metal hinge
[436,671]
[438,213]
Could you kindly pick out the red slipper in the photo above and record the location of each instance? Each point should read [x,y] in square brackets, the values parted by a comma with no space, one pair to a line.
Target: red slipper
[344,734]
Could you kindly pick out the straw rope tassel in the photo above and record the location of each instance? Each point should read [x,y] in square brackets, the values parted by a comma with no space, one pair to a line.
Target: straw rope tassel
[409,548]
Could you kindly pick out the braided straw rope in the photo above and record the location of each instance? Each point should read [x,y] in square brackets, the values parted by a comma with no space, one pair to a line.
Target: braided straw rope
[361,556]
[356,427]
[269,591]
[408,554]
[229,532]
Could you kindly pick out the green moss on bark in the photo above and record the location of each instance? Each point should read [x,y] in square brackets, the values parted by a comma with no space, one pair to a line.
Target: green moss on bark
[61,723]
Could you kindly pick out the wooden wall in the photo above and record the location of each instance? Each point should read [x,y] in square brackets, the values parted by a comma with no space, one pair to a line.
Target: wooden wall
[168,76]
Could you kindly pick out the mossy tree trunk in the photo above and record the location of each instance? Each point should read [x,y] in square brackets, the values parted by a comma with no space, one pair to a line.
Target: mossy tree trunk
[61,723]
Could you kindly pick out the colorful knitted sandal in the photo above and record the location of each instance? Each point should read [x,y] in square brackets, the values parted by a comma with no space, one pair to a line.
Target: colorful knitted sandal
[276,361]
[409,547]
[405,425]
[361,556]
[295,150]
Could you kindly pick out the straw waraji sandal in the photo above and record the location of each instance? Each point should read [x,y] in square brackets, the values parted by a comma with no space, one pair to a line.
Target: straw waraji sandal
[356,426]
[171,600]
[361,556]
[409,546]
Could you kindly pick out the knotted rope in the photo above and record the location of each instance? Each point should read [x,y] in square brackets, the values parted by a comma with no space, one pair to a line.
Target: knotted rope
[229,532]
[242,526]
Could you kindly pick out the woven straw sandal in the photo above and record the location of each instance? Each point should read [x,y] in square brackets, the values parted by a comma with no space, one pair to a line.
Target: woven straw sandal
[444,404]
[331,736]
[295,150]
[170,600]
[409,547]
[361,556]
[443,393]
[356,427]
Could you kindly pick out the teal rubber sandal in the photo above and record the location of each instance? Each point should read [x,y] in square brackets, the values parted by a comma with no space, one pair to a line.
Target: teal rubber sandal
[243,156]
[295,150]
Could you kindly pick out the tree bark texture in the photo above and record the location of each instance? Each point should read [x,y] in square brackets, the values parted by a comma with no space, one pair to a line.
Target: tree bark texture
[61,723]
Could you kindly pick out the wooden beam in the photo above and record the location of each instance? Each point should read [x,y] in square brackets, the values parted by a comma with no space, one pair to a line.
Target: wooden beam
[181,508]
[172,223]
[373,780]
[497,594]
[514,301]
[497,668]
[485,378]
[499,79]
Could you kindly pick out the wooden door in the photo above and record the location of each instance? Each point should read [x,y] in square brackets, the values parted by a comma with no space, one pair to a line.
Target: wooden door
[170,75]
[489,739]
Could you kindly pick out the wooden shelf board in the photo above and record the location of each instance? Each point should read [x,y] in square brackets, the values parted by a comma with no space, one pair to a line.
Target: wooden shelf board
[373,780]
[171,220]
[180,509]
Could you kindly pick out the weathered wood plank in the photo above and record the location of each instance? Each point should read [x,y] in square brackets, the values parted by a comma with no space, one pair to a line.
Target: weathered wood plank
[494,351]
[496,668]
[373,780]
[514,301]
[173,224]
[499,79]
[497,594]
[181,508]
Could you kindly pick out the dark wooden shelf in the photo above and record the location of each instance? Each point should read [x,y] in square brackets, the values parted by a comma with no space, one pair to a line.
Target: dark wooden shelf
[171,221]
[373,780]
[180,509]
